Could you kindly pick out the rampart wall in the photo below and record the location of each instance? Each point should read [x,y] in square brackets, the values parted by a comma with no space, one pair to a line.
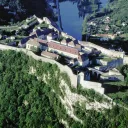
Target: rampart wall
[115,63]
[110,53]
[90,85]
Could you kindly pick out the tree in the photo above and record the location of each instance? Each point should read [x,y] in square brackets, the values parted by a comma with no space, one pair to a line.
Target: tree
[126,79]
[85,26]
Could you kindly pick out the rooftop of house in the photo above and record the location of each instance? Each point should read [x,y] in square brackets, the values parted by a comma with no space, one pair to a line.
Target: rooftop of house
[76,46]
[33,42]
[71,43]
[63,48]
[46,53]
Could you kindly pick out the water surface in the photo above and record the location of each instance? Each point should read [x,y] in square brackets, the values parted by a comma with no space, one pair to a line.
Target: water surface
[71,20]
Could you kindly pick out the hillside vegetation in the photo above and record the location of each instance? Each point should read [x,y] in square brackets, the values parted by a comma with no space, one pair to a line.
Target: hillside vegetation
[36,94]
[119,13]
[116,11]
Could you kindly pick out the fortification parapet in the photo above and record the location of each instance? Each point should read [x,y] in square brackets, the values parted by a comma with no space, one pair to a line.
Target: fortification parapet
[90,85]
[110,53]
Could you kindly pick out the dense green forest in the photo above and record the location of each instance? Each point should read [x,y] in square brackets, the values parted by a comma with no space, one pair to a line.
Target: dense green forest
[29,101]
[24,101]
[23,9]
[32,7]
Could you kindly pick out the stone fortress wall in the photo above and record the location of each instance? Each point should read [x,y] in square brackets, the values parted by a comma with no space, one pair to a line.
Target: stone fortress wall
[115,63]
[110,53]
[90,85]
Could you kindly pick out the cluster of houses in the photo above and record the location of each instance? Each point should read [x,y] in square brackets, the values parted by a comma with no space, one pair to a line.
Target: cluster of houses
[45,40]
[50,43]
[105,25]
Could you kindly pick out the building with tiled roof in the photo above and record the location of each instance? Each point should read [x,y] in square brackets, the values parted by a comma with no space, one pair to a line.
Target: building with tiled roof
[64,50]
[33,45]
[49,55]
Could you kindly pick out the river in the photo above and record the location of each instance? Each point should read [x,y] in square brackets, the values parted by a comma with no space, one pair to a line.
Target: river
[71,19]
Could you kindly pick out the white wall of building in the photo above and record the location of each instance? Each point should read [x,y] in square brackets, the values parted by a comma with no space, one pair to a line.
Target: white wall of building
[90,85]
[125,61]
[28,46]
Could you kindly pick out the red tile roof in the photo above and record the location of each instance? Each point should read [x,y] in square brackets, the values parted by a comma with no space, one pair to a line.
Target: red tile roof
[52,55]
[60,47]
[63,48]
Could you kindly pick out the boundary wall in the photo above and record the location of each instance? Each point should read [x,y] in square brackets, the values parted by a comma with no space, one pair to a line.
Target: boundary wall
[90,85]
[110,53]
